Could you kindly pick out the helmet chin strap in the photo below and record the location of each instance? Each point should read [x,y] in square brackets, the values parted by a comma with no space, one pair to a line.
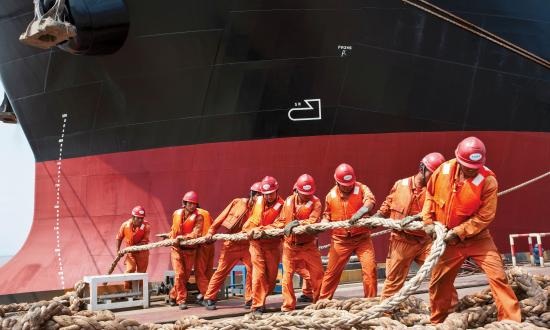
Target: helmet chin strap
[423,170]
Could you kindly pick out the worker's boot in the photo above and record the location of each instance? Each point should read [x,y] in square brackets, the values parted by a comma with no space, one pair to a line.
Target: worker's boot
[183,306]
[172,302]
[259,311]
[248,304]
[210,305]
[200,299]
[305,299]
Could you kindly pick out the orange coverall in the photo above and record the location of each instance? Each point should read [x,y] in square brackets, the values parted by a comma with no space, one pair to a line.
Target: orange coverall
[265,253]
[467,206]
[346,241]
[136,262]
[299,249]
[232,218]
[405,199]
[300,269]
[183,258]
[204,257]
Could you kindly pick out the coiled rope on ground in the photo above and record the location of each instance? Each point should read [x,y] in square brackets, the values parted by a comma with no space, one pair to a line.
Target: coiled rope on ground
[476,311]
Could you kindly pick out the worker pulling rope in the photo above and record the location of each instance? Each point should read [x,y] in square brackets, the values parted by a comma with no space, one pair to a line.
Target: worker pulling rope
[48,29]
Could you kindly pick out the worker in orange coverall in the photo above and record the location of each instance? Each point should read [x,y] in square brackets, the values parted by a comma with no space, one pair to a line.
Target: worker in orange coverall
[134,231]
[204,258]
[300,208]
[307,289]
[265,253]
[349,199]
[186,224]
[232,219]
[300,269]
[407,198]
[462,196]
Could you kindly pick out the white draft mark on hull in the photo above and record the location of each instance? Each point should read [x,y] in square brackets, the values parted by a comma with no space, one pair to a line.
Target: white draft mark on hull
[57,228]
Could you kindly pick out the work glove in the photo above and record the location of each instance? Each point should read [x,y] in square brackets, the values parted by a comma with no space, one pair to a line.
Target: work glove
[358,215]
[311,231]
[208,237]
[450,236]
[289,226]
[408,220]
[252,233]
[430,230]
[179,239]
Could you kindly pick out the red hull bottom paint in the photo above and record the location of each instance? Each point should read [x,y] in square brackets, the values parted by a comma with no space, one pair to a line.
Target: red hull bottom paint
[98,192]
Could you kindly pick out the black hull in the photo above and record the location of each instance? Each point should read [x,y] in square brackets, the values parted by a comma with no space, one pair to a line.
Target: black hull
[208,71]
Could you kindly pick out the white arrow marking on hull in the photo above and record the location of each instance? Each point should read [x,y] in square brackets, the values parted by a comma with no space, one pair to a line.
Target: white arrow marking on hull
[314,111]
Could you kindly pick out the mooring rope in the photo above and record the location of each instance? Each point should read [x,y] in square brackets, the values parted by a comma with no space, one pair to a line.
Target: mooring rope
[273,233]
[469,26]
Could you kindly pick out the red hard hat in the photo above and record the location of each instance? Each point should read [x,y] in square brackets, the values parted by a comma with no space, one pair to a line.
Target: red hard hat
[471,152]
[433,160]
[344,175]
[138,211]
[191,196]
[256,187]
[269,185]
[305,184]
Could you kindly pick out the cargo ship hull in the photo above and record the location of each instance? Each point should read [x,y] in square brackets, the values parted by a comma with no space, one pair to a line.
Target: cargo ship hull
[207,95]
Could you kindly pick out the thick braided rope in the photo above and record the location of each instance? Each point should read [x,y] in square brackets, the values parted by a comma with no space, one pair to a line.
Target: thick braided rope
[475,311]
[273,233]
[375,234]
[477,30]
[481,314]
[136,248]
[519,186]
[311,318]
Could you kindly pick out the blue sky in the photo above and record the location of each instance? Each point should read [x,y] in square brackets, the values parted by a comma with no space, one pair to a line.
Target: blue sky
[16,187]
